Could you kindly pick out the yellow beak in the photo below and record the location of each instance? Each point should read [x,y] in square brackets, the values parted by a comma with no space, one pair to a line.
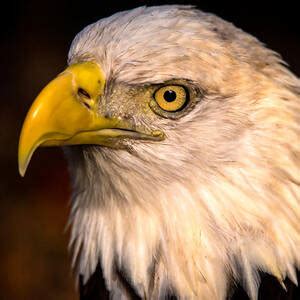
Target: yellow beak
[65,113]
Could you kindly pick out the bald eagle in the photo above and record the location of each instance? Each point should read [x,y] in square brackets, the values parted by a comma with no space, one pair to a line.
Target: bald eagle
[182,137]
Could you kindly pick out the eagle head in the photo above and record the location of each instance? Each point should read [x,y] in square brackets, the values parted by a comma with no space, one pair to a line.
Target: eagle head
[182,137]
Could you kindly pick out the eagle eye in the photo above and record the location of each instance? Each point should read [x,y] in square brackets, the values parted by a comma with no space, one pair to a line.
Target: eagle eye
[171,98]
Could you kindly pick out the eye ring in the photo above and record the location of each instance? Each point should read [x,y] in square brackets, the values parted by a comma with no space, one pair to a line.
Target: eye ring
[171,98]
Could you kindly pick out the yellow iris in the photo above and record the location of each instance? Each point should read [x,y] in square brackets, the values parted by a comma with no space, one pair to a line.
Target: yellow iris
[171,98]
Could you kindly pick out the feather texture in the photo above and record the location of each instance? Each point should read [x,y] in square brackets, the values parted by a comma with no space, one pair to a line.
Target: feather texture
[218,199]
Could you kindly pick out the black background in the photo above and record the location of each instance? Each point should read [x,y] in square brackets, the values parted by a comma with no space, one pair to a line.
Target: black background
[35,38]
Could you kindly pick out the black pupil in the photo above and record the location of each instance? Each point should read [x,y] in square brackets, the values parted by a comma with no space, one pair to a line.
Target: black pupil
[169,95]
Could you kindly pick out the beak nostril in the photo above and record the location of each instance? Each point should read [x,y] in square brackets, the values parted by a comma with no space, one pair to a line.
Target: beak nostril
[87,105]
[83,93]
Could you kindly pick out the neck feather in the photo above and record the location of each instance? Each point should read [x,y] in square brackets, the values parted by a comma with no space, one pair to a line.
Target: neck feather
[191,235]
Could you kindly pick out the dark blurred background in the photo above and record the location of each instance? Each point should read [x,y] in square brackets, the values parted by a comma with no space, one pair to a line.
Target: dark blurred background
[35,38]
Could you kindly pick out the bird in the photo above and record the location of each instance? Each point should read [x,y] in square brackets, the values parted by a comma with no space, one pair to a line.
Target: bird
[181,133]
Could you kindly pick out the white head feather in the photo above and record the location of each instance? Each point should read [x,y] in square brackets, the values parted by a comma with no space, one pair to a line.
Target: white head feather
[218,199]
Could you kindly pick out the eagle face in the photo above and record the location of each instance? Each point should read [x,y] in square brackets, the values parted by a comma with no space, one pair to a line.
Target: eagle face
[180,131]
